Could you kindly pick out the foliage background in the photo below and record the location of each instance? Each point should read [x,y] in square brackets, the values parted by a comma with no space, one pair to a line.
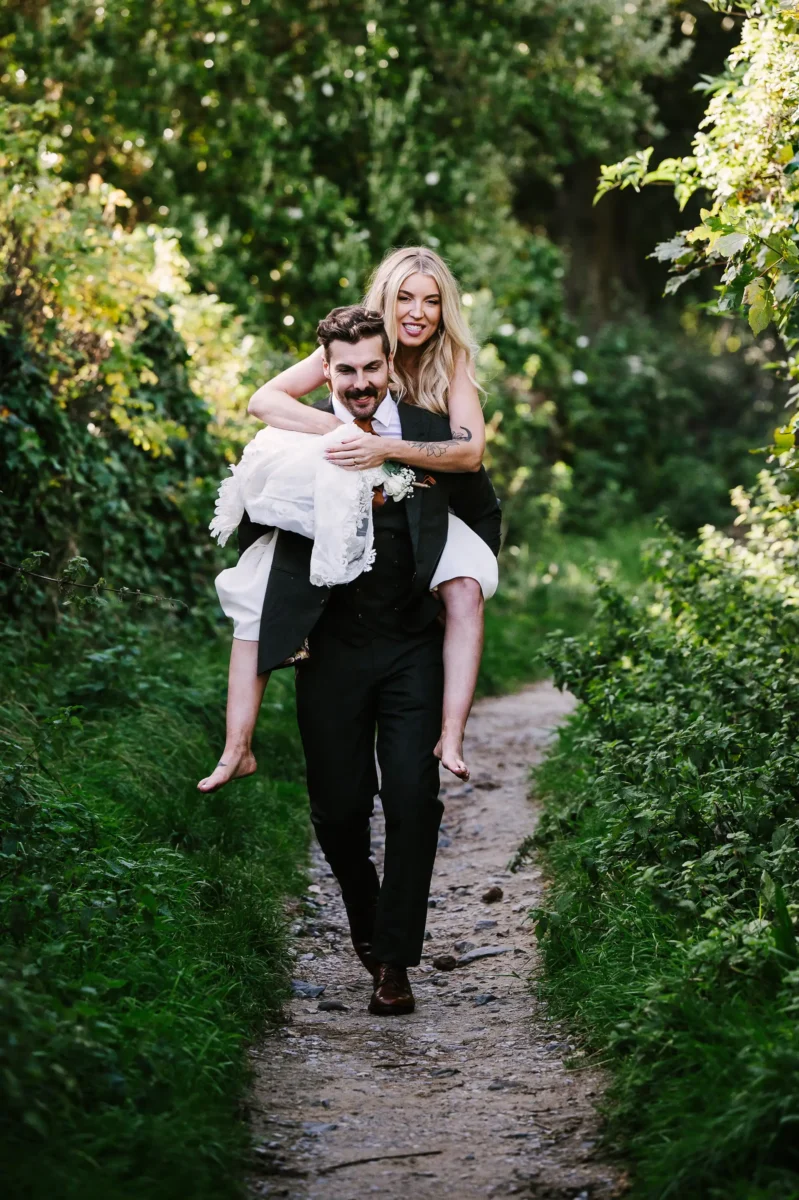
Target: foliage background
[184,191]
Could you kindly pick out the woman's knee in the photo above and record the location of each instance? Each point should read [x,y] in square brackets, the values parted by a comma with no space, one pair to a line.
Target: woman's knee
[462,597]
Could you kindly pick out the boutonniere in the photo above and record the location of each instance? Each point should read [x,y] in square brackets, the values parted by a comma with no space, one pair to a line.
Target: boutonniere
[398,481]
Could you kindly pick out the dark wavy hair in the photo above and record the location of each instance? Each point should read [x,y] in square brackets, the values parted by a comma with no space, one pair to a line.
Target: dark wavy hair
[351,323]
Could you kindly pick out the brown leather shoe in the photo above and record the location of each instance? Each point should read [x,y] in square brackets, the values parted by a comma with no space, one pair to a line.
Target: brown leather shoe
[361,919]
[392,994]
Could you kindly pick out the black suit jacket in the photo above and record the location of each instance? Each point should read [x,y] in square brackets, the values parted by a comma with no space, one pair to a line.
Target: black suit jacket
[293,605]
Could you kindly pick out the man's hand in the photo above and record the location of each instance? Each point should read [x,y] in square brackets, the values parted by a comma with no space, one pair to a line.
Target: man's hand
[359,451]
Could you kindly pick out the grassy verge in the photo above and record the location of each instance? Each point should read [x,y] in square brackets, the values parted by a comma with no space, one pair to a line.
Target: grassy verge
[671,832]
[142,940]
[550,587]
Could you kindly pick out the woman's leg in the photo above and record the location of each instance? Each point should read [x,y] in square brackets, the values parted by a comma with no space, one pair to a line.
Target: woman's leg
[244,694]
[463,646]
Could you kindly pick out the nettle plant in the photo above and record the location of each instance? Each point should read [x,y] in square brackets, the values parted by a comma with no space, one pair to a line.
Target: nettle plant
[746,157]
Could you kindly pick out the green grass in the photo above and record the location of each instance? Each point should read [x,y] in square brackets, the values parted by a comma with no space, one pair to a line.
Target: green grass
[670,833]
[142,933]
[704,1076]
[142,941]
[549,587]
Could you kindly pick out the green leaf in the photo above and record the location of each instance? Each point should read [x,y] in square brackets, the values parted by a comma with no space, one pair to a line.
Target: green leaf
[731,243]
[669,251]
[676,282]
[757,296]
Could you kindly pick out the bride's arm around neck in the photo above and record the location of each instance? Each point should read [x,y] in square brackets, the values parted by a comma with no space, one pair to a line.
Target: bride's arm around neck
[277,403]
[466,419]
[464,453]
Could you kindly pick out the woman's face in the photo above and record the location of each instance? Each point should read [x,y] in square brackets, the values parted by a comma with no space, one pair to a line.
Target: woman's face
[418,310]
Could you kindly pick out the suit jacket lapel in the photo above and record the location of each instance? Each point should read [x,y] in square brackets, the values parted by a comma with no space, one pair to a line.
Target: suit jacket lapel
[410,423]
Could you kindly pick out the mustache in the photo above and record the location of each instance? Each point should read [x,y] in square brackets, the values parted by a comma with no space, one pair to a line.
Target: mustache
[361,393]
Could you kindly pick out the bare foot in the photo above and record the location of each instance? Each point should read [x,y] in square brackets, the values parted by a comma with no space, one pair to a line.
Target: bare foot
[235,765]
[450,751]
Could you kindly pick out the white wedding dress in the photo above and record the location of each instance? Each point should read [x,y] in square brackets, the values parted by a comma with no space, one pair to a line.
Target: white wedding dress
[285,480]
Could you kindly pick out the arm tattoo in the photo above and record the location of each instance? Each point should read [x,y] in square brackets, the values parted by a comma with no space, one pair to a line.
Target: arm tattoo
[438,449]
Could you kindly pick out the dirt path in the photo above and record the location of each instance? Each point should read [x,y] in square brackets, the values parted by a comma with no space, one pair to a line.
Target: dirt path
[469,1095]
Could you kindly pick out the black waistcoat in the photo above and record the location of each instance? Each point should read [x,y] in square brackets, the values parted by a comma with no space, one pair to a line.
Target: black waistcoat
[372,604]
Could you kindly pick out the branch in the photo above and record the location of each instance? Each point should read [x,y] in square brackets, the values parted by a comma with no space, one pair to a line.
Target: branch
[356,1162]
[124,593]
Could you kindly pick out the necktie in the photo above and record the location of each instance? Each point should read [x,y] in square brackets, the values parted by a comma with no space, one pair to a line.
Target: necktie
[378,495]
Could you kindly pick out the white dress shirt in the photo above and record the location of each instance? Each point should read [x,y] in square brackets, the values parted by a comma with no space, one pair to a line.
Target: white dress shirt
[386,418]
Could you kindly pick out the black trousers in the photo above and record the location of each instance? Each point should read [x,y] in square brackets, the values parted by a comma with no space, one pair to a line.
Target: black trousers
[345,696]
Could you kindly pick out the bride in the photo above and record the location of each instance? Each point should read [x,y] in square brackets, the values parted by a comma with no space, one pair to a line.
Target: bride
[432,366]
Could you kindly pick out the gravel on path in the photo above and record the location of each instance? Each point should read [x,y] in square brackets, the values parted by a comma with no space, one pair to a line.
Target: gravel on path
[469,1095]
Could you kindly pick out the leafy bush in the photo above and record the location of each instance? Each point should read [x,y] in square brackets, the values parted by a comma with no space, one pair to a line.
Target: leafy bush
[293,146]
[548,585]
[745,161]
[141,935]
[671,827]
[109,448]
[636,420]
[661,421]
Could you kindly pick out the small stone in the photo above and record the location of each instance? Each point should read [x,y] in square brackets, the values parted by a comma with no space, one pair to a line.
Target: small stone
[483,998]
[428,937]
[481,952]
[485,924]
[444,842]
[439,980]
[314,1128]
[445,962]
[308,991]
[493,894]
[443,1072]
[464,947]
[332,1006]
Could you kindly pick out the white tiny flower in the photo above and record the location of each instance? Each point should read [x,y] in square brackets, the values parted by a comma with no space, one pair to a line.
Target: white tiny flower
[579,377]
[394,485]
[583,341]
[327,89]
[432,178]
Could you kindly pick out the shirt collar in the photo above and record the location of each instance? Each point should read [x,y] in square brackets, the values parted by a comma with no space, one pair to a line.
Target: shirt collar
[382,414]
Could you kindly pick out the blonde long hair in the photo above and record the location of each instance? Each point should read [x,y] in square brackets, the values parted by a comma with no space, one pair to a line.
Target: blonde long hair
[430,388]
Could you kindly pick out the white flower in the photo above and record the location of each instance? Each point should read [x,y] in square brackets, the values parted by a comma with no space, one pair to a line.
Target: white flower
[397,482]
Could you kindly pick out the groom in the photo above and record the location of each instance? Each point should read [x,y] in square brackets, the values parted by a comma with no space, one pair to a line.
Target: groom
[375,666]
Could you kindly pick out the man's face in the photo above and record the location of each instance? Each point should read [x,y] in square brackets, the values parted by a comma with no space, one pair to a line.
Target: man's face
[358,375]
